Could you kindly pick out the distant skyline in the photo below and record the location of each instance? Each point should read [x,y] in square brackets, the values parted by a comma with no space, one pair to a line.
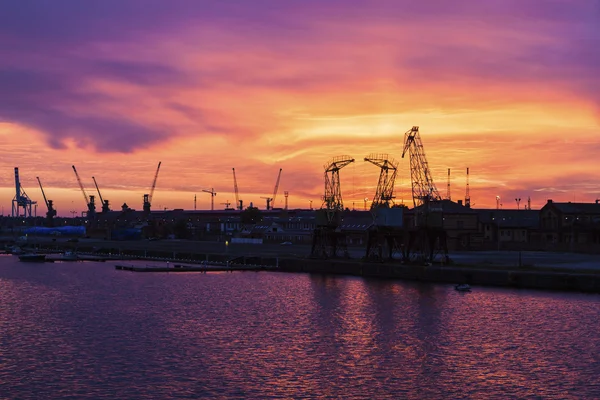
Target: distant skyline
[507,88]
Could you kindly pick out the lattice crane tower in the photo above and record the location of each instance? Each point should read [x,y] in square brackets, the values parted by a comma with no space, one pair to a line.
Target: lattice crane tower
[332,200]
[423,188]
[384,195]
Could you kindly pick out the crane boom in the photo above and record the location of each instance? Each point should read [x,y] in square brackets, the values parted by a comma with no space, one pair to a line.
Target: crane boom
[42,189]
[276,188]
[85,196]
[154,182]
[98,189]
[235,188]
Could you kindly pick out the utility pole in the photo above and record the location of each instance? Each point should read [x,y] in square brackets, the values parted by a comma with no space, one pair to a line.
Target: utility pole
[448,196]
[194,202]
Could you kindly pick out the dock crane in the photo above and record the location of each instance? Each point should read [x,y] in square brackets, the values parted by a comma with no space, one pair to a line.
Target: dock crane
[427,237]
[212,197]
[271,200]
[384,195]
[51,213]
[105,203]
[21,199]
[238,203]
[89,201]
[148,197]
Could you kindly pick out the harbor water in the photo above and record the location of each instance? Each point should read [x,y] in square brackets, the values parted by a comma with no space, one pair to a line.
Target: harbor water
[87,331]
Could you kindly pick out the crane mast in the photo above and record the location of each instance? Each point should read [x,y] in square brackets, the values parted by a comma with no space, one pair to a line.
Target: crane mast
[105,203]
[148,197]
[276,188]
[89,201]
[238,203]
[51,213]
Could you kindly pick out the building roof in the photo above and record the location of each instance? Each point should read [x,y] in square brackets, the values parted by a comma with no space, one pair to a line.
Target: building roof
[575,208]
[510,218]
[450,207]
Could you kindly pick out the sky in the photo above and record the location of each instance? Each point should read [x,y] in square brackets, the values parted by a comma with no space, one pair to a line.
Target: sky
[510,89]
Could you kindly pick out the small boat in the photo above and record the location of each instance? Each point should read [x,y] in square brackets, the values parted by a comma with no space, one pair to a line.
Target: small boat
[32,257]
[69,256]
[463,287]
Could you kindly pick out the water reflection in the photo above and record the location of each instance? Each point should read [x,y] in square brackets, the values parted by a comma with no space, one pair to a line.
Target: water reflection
[87,331]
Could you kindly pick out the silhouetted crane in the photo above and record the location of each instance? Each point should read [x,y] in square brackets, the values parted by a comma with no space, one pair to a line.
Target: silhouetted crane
[89,201]
[238,203]
[148,197]
[51,213]
[212,197]
[105,203]
[271,200]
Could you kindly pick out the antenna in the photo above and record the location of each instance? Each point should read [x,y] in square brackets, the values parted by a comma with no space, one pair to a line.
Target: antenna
[467,194]
[448,196]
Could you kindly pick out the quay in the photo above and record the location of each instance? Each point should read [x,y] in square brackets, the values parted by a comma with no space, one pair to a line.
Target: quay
[192,268]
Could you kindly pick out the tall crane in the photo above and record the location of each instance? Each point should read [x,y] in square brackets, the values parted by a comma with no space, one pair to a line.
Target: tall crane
[89,201]
[384,195]
[467,192]
[271,200]
[238,203]
[332,200]
[212,197]
[423,188]
[21,199]
[428,237]
[148,197]
[105,203]
[51,213]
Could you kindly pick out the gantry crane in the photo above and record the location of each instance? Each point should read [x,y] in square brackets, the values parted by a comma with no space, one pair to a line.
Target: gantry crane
[51,213]
[89,201]
[212,197]
[105,203]
[21,199]
[332,200]
[384,194]
[423,188]
[238,203]
[271,200]
[427,237]
[327,240]
[148,197]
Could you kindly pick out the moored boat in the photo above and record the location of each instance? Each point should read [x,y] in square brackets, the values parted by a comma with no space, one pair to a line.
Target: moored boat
[32,257]
[463,287]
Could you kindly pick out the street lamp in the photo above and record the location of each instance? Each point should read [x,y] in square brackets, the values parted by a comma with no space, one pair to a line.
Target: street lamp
[366,199]
[518,200]
[497,202]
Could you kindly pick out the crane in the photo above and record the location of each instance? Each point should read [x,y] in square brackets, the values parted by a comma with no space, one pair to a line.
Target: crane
[332,200]
[21,199]
[423,188]
[227,205]
[384,195]
[148,197]
[105,203]
[238,203]
[212,197]
[51,213]
[89,201]
[271,200]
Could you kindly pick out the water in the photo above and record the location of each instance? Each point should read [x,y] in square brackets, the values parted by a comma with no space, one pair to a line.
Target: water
[85,330]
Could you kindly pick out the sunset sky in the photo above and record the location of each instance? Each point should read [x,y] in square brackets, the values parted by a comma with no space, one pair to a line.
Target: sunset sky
[510,89]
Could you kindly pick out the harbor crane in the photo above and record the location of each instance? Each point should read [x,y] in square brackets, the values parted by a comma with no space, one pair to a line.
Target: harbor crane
[271,200]
[238,203]
[327,240]
[21,200]
[427,237]
[423,188]
[105,203]
[148,197]
[212,197]
[384,194]
[89,201]
[51,213]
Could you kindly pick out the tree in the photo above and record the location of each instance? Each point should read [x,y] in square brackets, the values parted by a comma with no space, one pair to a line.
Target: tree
[251,215]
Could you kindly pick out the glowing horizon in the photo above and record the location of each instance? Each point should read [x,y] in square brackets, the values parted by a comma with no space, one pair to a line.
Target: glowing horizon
[509,90]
